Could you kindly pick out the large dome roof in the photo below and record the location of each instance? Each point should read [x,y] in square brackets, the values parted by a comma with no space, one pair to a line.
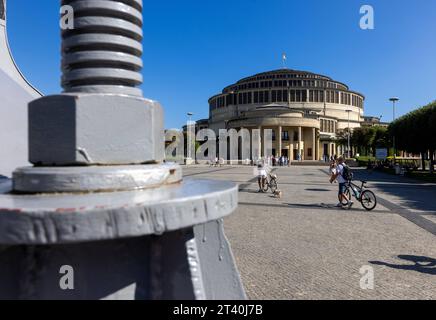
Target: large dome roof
[284,74]
[287,73]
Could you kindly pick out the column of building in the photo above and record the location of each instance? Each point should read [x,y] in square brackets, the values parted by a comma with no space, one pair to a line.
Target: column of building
[300,143]
[314,144]
[260,143]
[318,148]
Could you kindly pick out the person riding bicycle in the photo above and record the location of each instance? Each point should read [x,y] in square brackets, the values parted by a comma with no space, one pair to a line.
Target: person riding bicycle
[341,174]
[261,176]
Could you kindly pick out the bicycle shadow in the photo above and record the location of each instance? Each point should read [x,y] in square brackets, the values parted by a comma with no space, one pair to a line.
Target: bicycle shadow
[413,194]
[326,206]
[318,190]
[421,264]
[333,207]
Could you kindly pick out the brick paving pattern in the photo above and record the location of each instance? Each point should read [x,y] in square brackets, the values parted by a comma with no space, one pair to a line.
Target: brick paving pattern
[302,247]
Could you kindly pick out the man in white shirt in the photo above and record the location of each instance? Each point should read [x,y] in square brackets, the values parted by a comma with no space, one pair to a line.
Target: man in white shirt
[337,174]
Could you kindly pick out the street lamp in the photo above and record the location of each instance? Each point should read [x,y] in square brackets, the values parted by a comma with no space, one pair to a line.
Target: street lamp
[190,114]
[188,132]
[349,133]
[394,100]
[235,101]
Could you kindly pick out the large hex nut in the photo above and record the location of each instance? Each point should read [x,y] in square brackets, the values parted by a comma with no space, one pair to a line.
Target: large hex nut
[95,129]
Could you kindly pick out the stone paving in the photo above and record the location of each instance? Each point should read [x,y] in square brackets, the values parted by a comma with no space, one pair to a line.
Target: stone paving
[302,247]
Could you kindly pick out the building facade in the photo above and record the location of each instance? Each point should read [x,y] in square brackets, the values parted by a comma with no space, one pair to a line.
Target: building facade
[305,111]
[370,121]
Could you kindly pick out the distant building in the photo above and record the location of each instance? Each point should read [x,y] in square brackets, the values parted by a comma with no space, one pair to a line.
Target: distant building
[369,121]
[199,125]
[306,111]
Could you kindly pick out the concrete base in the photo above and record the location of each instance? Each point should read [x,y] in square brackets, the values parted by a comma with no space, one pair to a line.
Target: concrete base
[189,264]
[160,243]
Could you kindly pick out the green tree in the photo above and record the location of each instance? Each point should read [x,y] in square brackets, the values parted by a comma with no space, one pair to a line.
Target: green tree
[361,140]
[415,132]
[381,139]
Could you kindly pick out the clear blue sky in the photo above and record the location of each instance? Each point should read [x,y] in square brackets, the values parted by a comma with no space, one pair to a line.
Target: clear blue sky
[194,48]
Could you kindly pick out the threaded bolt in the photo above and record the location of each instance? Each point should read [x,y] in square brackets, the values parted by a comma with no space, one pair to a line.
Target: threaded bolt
[102,54]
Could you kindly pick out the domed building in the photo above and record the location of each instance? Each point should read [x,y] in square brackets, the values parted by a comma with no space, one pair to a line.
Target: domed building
[304,110]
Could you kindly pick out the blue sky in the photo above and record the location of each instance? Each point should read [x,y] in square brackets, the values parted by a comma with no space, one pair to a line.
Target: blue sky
[194,48]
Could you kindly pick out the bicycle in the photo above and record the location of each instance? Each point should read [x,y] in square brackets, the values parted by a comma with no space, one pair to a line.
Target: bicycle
[367,198]
[271,183]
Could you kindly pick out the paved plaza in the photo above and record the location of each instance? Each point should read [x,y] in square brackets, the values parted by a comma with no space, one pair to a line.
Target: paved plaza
[302,247]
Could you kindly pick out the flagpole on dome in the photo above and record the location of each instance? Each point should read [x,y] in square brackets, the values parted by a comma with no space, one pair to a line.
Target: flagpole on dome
[284,59]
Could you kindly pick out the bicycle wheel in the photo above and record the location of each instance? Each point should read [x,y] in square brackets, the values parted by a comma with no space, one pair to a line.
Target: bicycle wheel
[273,185]
[342,201]
[266,186]
[368,200]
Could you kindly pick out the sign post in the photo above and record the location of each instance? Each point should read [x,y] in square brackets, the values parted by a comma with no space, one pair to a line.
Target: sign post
[381,154]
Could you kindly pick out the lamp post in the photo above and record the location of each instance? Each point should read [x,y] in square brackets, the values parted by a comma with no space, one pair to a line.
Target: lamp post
[394,100]
[349,133]
[189,135]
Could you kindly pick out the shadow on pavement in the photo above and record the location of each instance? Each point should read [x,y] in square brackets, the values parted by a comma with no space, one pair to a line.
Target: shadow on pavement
[414,194]
[325,206]
[421,264]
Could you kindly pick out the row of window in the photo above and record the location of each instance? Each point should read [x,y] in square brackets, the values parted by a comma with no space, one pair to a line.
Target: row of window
[285,84]
[327,126]
[285,135]
[286,76]
[353,100]
[357,101]
[267,96]
[332,96]
[316,96]
[294,96]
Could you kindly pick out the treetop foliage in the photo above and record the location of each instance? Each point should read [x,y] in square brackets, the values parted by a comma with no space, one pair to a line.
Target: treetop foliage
[415,132]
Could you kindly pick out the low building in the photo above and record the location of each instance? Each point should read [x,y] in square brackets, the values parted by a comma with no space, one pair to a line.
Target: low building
[199,125]
[370,121]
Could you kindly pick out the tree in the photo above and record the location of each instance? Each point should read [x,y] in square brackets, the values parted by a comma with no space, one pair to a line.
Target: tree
[362,139]
[381,139]
[415,132]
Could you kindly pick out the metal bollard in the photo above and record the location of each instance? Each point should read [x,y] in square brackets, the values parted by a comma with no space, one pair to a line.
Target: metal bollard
[99,201]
